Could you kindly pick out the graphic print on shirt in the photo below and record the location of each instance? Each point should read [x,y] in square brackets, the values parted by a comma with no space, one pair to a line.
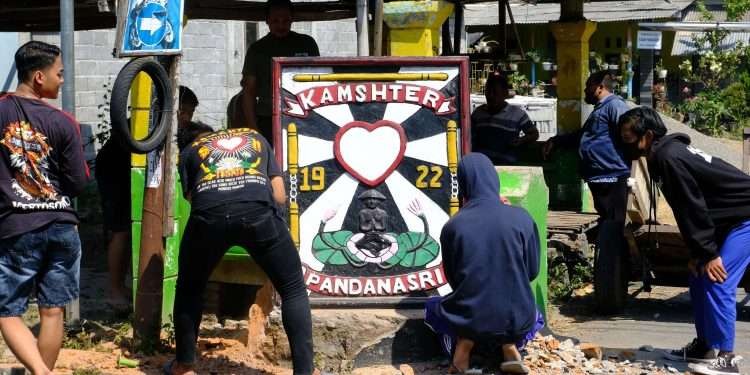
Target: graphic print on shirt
[229,161]
[29,153]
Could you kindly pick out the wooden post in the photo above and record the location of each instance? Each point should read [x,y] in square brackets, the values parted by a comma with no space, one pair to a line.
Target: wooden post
[458,28]
[377,29]
[445,38]
[171,152]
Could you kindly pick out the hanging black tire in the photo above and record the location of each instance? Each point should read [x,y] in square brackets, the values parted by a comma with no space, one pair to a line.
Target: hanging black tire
[163,104]
[611,269]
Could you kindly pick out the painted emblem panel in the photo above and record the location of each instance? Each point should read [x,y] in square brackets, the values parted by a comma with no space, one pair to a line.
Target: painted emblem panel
[370,147]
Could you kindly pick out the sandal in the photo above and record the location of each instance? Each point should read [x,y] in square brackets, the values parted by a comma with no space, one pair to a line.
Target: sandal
[514,367]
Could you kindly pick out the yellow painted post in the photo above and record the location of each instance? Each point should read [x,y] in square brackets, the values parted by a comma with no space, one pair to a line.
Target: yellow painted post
[140,103]
[573,69]
[452,164]
[293,169]
[414,26]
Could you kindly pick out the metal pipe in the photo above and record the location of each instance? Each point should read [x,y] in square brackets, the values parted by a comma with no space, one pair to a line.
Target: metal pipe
[363,47]
[67,44]
[695,26]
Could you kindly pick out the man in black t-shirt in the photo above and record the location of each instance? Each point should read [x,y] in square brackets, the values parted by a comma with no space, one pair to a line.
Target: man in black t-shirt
[234,184]
[42,169]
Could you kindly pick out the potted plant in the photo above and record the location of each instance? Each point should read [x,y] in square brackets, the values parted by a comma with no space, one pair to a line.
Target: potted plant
[513,66]
[547,65]
[534,56]
[661,71]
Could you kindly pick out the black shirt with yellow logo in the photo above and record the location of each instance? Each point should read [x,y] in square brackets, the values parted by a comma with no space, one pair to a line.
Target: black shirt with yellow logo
[228,166]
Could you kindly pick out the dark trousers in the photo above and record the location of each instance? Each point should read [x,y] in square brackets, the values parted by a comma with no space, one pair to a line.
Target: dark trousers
[256,227]
[611,203]
[610,199]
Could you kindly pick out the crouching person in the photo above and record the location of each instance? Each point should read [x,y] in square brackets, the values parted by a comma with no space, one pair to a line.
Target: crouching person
[711,202]
[234,184]
[490,254]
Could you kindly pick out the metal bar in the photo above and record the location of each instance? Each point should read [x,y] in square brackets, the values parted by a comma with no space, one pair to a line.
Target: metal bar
[515,29]
[363,48]
[377,29]
[334,77]
[695,26]
[67,44]
[646,77]
[746,150]
[501,27]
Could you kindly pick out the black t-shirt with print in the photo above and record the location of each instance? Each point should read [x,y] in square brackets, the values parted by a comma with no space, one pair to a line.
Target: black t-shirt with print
[42,167]
[228,166]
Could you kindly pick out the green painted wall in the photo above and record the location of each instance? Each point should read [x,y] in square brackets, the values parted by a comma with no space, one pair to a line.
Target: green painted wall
[525,187]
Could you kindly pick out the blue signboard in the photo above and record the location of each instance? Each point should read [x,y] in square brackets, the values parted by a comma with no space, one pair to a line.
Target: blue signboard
[151,27]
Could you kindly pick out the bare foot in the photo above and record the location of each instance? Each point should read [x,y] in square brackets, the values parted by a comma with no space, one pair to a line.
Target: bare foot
[182,369]
[510,353]
[461,356]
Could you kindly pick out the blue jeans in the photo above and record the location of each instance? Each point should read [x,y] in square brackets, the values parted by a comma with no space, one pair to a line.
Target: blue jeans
[715,305]
[50,257]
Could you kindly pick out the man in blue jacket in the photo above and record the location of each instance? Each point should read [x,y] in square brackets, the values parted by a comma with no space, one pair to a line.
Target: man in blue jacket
[603,165]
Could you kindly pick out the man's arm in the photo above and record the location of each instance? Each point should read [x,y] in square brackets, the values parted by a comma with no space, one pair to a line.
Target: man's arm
[689,206]
[279,192]
[249,94]
[74,172]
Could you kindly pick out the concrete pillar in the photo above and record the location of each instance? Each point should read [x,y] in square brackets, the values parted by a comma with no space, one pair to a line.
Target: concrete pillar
[572,64]
[414,26]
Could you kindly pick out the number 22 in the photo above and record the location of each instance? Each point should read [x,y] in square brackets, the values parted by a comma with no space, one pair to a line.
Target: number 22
[434,182]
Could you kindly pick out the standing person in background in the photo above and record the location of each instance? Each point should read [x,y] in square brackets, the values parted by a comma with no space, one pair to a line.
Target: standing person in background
[711,202]
[281,41]
[496,126]
[42,168]
[112,171]
[603,164]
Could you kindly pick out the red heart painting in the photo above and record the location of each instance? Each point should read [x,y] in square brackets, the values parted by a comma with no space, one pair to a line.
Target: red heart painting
[370,152]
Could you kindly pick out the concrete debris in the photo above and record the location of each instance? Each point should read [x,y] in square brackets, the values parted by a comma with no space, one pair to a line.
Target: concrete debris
[545,354]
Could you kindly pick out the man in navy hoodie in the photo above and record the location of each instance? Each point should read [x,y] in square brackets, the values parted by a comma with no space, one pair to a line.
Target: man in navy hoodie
[711,202]
[490,255]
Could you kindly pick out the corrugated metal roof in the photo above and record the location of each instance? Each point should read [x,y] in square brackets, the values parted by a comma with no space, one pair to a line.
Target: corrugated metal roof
[486,14]
[684,45]
[683,42]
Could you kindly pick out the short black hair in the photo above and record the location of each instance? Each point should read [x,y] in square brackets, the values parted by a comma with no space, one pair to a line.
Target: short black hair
[187,97]
[603,78]
[273,4]
[644,119]
[33,56]
[497,78]
[193,129]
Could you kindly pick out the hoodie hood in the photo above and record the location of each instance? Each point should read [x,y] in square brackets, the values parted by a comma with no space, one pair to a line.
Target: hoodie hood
[659,144]
[477,178]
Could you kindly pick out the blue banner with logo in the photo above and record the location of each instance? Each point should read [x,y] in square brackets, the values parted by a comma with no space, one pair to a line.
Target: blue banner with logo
[151,27]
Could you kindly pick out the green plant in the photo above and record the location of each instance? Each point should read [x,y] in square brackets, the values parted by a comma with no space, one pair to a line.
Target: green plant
[722,106]
[534,55]
[103,127]
[519,83]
